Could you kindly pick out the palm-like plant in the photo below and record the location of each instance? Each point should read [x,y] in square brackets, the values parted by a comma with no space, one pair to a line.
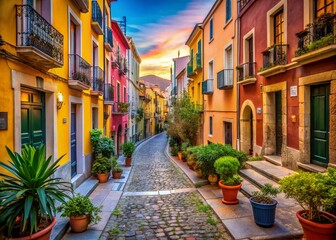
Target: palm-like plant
[29,191]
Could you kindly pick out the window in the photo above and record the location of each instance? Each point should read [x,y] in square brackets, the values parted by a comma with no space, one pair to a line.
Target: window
[94,118]
[211,69]
[210,125]
[228,14]
[279,27]
[228,74]
[118,91]
[125,95]
[322,7]
[211,29]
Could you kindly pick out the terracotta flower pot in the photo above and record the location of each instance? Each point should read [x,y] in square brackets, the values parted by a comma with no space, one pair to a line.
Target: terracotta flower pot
[179,155]
[313,230]
[40,235]
[102,177]
[198,172]
[229,193]
[213,179]
[128,161]
[116,175]
[80,223]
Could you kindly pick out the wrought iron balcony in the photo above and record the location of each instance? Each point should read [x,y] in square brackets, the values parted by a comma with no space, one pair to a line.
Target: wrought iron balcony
[98,80]
[108,40]
[108,94]
[120,108]
[247,73]
[317,35]
[242,4]
[207,86]
[274,56]
[37,40]
[79,73]
[97,18]
[83,5]
[225,79]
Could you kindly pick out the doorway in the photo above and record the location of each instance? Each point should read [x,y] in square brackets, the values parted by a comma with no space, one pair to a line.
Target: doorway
[278,123]
[228,133]
[319,101]
[73,141]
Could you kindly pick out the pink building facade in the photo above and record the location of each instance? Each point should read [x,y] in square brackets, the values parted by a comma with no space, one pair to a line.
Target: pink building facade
[120,107]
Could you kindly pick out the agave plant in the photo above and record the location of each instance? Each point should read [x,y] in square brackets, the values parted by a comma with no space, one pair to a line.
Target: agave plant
[29,190]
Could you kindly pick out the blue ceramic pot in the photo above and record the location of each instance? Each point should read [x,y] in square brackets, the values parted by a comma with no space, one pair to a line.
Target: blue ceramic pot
[264,214]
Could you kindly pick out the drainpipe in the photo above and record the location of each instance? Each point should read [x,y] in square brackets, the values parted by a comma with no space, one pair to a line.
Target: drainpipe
[238,86]
[104,27]
[202,81]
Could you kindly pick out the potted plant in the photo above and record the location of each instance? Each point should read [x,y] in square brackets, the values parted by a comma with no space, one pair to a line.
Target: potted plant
[184,147]
[116,172]
[230,183]
[264,206]
[28,194]
[102,167]
[128,150]
[81,212]
[314,194]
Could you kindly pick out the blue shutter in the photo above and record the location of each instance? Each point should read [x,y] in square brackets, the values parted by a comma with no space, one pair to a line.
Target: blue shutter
[211,29]
[228,10]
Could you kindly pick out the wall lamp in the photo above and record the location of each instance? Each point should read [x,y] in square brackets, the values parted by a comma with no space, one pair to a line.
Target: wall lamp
[59,100]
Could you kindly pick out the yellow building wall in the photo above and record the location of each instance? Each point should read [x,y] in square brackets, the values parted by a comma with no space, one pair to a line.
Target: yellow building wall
[222,104]
[62,117]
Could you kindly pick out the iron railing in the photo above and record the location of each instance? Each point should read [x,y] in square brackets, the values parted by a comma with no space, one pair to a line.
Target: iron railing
[242,4]
[207,86]
[317,35]
[108,36]
[108,92]
[246,70]
[225,78]
[79,69]
[33,30]
[274,56]
[121,107]
[98,79]
[97,13]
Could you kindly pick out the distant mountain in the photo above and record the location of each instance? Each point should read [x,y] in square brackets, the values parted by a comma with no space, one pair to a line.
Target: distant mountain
[153,79]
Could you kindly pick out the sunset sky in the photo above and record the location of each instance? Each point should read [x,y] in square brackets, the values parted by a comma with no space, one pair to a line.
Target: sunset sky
[160,29]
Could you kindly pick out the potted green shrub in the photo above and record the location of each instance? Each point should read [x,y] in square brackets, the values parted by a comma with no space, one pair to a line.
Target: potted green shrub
[314,194]
[264,206]
[184,147]
[102,145]
[128,150]
[102,167]
[81,212]
[28,194]
[116,172]
[227,167]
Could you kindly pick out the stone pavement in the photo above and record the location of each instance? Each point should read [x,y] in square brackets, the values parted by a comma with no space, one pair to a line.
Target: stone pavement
[159,202]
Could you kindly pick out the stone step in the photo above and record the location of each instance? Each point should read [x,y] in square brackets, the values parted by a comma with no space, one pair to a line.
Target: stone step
[276,160]
[269,170]
[311,167]
[256,178]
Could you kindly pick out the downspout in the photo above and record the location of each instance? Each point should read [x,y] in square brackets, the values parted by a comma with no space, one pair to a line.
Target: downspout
[104,27]
[238,86]
[202,82]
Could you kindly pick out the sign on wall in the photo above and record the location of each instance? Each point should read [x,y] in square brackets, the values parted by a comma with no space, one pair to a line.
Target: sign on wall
[293,91]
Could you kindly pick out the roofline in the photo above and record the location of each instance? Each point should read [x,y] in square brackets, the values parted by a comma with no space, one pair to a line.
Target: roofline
[180,57]
[114,22]
[194,32]
[134,49]
[212,10]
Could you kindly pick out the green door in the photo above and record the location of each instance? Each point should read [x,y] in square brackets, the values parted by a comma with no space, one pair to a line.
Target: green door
[320,124]
[32,118]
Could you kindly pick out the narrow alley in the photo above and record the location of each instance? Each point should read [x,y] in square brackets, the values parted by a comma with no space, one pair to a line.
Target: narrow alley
[159,202]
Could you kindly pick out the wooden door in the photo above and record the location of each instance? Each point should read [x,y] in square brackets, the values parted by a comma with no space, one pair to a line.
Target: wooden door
[228,133]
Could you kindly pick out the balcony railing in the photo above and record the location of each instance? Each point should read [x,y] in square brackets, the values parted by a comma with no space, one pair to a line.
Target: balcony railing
[242,4]
[274,56]
[108,93]
[225,79]
[97,18]
[317,35]
[80,69]
[34,31]
[120,108]
[83,5]
[207,86]
[98,79]
[108,40]
[246,71]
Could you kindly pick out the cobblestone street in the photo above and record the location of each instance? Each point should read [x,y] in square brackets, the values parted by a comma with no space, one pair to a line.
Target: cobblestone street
[159,202]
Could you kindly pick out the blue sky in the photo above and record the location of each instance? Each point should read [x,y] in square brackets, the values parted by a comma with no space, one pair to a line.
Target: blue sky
[160,29]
